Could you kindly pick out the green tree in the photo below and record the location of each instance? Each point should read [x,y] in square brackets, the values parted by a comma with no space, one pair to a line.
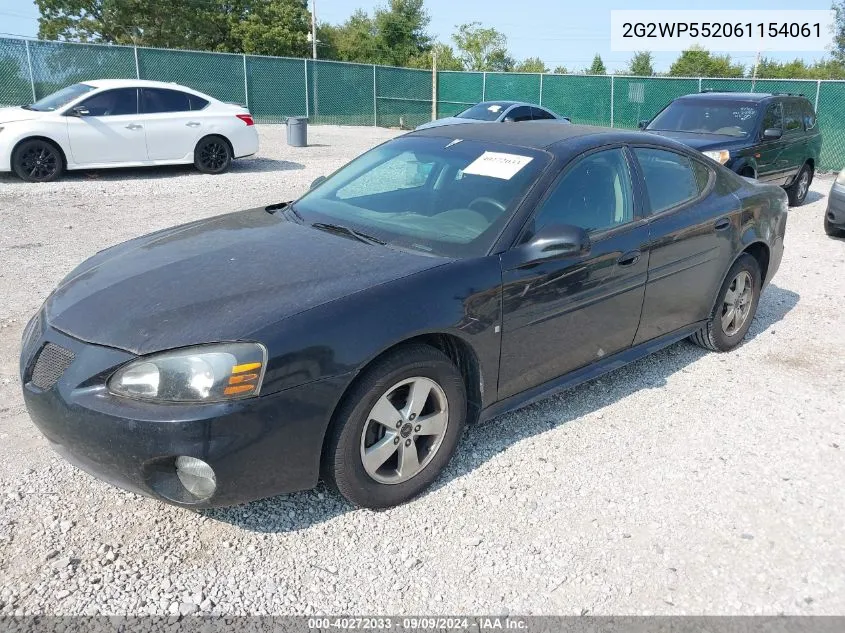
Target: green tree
[699,62]
[531,65]
[355,40]
[839,31]
[400,32]
[446,58]
[482,48]
[560,70]
[641,64]
[597,67]
[274,27]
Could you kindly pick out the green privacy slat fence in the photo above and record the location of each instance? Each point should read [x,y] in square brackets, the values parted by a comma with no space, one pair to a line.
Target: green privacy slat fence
[275,88]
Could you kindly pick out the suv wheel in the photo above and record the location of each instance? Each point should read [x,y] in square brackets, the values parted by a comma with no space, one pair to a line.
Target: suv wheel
[797,191]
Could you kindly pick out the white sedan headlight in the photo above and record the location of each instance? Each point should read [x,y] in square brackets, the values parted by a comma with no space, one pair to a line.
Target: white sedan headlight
[205,373]
[720,155]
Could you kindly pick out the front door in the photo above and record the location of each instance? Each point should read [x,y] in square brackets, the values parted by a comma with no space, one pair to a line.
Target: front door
[559,315]
[110,132]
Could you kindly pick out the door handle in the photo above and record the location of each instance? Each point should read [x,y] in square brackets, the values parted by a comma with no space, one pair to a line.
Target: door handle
[629,258]
[134,126]
[722,224]
[193,124]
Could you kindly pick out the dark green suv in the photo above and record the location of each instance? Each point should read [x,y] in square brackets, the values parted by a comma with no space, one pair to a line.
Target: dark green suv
[772,137]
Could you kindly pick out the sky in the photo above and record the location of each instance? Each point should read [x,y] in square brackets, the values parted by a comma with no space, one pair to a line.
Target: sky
[560,32]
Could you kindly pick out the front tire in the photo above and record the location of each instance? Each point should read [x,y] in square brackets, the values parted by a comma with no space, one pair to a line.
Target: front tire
[831,230]
[37,160]
[212,155]
[797,191]
[397,428]
[735,307]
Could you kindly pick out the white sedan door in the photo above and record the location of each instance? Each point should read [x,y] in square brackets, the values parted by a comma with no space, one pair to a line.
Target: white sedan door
[172,126]
[110,131]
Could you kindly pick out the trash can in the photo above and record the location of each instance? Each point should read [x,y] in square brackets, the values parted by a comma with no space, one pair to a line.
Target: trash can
[297,131]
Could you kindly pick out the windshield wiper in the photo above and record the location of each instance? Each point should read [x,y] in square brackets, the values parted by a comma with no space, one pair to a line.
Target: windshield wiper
[28,107]
[345,230]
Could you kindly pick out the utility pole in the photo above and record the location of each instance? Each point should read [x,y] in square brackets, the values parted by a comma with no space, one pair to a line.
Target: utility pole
[433,83]
[314,29]
[754,74]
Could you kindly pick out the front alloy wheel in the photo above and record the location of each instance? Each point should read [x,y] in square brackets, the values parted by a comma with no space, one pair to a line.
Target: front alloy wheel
[396,428]
[37,161]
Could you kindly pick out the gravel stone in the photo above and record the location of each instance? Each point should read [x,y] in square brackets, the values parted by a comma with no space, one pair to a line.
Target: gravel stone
[685,451]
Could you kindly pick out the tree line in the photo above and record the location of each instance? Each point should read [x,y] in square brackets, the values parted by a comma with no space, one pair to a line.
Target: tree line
[394,34]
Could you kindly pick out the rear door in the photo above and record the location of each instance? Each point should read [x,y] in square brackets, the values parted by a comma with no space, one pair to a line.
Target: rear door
[111,132]
[796,150]
[693,225]
[173,123]
[562,314]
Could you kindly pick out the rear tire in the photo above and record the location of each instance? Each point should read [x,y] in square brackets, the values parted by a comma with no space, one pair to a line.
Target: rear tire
[367,456]
[37,160]
[798,190]
[212,155]
[736,305]
[833,231]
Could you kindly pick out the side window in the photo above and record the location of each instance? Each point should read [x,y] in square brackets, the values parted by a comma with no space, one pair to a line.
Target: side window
[521,113]
[594,194]
[404,171]
[809,116]
[773,117]
[197,103]
[670,178]
[113,102]
[540,115]
[156,100]
[792,117]
[702,175]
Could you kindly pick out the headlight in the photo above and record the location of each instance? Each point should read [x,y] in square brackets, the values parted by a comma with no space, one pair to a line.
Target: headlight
[205,373]
[720,155]
[840,179]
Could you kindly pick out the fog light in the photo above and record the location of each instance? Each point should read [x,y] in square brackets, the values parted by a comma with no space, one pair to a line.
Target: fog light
[197,476]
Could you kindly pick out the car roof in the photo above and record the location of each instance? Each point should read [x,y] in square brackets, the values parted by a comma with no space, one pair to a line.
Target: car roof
[138,83]
[735,96]
[507,104]
[541,134]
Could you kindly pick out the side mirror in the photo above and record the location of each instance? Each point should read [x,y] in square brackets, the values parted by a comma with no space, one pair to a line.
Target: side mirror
[79,110]
[554,241]
[772,133]
[509,119]
[319,180]
[642,124]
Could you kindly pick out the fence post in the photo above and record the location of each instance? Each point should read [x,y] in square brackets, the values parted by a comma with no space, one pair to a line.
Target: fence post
[699,84]
[611,100]
[137,67]
[541,89]
[375,112]
[307,112]
[484,86]
[246,85]
[31,75]
[818,88]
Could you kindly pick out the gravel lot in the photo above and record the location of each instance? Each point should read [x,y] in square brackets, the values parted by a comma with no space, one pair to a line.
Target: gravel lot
[688,482]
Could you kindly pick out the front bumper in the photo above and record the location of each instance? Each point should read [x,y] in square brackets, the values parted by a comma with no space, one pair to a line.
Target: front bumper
[258,447]
[835,212]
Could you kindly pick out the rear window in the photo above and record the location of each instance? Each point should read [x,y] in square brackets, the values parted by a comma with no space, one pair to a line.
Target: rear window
[156,100]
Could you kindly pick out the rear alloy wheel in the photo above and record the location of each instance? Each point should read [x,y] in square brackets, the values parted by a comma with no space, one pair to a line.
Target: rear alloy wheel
[212,155]
[735,307]
[37,161]
[397,428]
[797,191]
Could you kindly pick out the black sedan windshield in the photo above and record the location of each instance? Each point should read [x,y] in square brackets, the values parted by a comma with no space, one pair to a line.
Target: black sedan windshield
[61,98]
[443,196]
[484,111]
[707,117]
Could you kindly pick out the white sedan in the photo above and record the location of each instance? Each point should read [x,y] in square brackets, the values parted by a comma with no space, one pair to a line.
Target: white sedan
[123,123]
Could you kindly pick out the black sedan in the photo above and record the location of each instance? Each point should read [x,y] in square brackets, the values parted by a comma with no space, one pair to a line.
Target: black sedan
[446,276]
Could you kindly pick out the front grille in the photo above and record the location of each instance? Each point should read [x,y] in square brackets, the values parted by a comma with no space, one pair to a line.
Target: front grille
[51,363]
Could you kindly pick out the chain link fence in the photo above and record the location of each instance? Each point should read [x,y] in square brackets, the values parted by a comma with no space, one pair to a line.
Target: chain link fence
[341,93]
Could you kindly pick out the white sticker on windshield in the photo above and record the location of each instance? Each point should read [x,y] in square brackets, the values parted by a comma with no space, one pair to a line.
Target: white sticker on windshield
[494,108]
[497,165]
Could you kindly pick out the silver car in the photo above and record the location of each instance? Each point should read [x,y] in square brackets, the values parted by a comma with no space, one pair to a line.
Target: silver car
[498,112]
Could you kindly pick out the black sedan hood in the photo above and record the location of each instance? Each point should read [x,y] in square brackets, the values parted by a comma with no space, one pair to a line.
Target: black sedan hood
[216,280]
[703,142]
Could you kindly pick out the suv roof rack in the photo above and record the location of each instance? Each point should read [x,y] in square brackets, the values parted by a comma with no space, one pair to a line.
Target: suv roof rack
[789,94]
